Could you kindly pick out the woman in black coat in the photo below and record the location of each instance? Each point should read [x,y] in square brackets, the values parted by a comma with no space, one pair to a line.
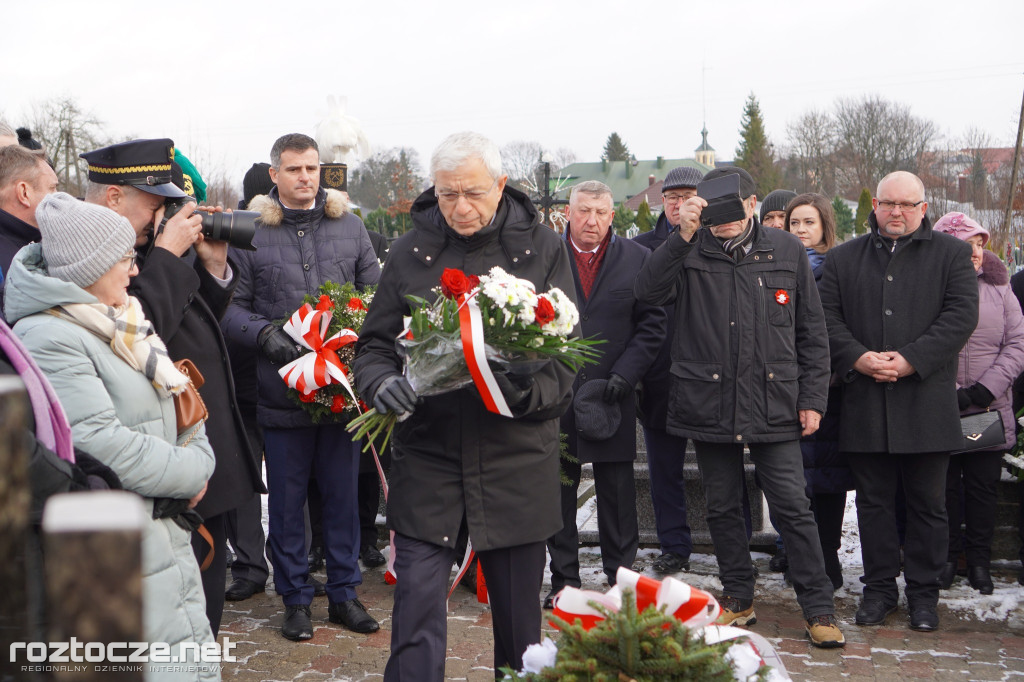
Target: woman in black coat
[811,218]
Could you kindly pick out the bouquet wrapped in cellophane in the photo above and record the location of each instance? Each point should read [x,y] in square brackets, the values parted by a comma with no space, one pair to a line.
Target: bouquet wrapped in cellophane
[476,327]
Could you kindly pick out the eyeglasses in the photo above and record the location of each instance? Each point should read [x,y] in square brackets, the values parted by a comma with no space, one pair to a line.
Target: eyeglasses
[904,206]
[472,196]
[129,258]
[672,198]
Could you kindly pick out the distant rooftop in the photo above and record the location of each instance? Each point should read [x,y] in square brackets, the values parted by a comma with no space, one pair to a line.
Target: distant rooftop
[626,179]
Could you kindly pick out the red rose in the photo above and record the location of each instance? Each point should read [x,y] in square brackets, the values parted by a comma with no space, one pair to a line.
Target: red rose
[545,311]
[356,304]
[474,282]
[307,397]
[325,303]
[454,283]
[338,404]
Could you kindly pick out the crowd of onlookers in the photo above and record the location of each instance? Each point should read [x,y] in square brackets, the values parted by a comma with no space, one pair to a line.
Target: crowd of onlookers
[737,325]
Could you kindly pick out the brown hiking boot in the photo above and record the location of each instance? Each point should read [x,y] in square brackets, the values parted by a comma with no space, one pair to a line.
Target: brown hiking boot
[824,632]
[736,611]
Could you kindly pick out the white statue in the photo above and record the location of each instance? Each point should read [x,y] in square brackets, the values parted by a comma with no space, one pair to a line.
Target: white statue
[340,136]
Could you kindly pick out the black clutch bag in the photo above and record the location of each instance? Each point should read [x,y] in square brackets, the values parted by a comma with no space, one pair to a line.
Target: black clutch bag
[982,431]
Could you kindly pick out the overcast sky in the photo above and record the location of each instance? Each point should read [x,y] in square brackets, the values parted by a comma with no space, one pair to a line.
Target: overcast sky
[224,79]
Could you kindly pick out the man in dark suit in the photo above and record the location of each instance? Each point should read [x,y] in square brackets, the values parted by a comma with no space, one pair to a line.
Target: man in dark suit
[604,268]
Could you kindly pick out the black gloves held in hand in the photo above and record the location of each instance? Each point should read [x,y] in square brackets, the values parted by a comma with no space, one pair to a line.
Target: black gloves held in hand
[395,395]
[975,394]
[277,346]
[516,389]
[616,390]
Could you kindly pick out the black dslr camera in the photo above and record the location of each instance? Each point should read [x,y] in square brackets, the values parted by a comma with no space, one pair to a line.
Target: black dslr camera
[236,228]
[724,202]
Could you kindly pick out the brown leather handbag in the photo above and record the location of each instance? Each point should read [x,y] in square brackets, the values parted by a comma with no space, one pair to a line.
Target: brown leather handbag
[188,405]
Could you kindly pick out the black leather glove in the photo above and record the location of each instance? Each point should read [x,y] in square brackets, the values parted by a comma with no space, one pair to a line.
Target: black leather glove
[979,395]
[395,395]
[516,389]
[963,401]
[616,390]
[277,346]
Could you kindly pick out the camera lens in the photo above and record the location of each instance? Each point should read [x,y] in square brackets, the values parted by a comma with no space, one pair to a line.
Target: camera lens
[237,228]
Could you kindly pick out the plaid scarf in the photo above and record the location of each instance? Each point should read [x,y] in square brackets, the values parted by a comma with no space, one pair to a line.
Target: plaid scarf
[589,264]
[736,247]
[131,337]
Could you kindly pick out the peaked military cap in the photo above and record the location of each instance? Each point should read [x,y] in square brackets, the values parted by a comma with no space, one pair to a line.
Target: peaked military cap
[143,164]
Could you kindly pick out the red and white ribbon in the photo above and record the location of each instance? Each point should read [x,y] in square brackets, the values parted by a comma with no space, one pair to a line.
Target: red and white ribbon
[308,327]
[692,607]
[474,348]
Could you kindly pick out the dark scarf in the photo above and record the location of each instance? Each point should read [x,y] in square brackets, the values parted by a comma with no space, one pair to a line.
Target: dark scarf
[736,247]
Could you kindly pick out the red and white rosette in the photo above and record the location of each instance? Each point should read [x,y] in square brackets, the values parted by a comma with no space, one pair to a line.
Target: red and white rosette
[692,607]
[322,366]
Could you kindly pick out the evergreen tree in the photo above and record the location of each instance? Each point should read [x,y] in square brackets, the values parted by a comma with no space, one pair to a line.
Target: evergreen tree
[623,219]
[864,209]
[754,153]
[615,149]
[844,218]
[644,219]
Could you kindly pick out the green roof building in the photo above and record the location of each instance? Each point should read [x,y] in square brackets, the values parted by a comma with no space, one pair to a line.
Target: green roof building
[627,178]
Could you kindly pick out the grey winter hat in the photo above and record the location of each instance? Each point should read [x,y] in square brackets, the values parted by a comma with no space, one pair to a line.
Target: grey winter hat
[81,241]
[776,201]
[595,419]
[684,176]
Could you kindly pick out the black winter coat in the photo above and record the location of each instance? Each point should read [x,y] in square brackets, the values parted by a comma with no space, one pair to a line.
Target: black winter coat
[452,459]
[921,301]
[652,397]
[185,303]
[14,234]
[296,252]
[750,348]
[633,332]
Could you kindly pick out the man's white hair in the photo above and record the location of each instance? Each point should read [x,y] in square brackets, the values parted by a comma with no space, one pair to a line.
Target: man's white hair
[458,148]
[593,187]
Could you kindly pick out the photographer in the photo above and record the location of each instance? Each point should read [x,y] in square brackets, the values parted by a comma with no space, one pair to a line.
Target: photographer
[185,284]
[750,366]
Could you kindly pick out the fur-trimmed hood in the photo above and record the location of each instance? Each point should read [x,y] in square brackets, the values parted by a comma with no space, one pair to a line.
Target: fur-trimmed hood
[993,271]
[332,202]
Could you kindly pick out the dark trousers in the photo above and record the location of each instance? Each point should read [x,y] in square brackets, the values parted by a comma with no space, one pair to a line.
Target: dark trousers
[216,573]
[419,621]
[829,510]
[244,524]
[291,455]
[971,488]
[617,529]
[780,468]
[666,455]
[924,552]
[369,502]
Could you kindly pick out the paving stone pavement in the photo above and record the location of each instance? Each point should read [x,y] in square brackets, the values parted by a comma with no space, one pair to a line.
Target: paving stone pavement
[964,648]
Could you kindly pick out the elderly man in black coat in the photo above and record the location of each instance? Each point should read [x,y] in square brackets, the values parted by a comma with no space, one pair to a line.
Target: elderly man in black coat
[604,268]
[749,367]
[900,303]
[455,466]
[185,285]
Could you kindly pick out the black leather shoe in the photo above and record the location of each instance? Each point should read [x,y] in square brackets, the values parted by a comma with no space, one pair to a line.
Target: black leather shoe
[352,614]
[924,618]
[371,557]
[779,563]
[549,601]
[670,562]
[315,559]
[319,589]
[873,612]
[947,575]
[241,589]
[980,579]
[297,625]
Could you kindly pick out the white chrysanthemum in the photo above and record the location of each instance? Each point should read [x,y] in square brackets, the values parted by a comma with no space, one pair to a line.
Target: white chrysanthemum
[539,656]
[566,314]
